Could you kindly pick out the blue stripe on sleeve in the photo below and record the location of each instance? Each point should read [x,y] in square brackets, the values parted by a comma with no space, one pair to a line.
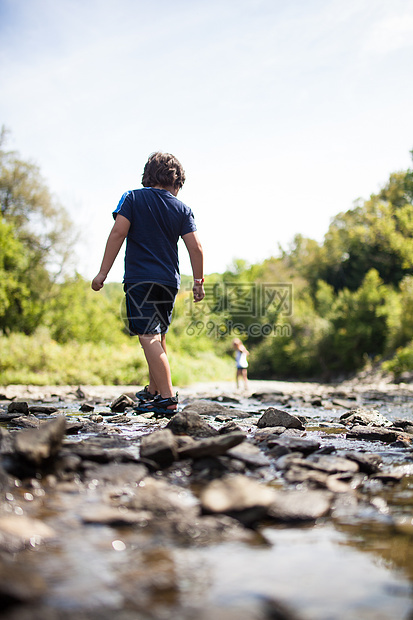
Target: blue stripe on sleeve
[121,201]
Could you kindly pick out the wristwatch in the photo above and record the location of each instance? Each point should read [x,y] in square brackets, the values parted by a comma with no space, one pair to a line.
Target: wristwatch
[199,280]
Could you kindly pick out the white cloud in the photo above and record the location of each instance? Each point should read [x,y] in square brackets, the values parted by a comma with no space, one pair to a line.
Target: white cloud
[393,33]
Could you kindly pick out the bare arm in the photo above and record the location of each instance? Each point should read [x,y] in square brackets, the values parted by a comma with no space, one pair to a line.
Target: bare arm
[114,243]
[196,255]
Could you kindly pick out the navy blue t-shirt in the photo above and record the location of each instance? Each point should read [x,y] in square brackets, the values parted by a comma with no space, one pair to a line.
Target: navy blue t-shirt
[157,220]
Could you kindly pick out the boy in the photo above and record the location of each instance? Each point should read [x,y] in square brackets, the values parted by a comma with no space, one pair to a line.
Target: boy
[152,219]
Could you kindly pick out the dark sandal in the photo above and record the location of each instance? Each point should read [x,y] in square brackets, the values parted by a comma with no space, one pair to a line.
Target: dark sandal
[161,405]
[145,395]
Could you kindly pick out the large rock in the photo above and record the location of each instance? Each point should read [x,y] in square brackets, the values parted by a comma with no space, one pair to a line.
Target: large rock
[368,463]
[103,449]
[294,444]
[211,446]
[215,410]
[121,403]
[373,433]
[277,417]
[159,446]
[300,505]
[360,416]
[18,406]
[205,407]
[189,422]
[236,494]
[116,474]
[18,532]
[37,446]
[249,454]
[331,464]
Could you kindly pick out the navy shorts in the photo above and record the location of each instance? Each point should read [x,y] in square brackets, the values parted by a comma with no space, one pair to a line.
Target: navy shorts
[149,307]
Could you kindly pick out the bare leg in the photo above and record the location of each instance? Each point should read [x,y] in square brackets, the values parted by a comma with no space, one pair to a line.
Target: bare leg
[154,348]
[153,387]
[245,378]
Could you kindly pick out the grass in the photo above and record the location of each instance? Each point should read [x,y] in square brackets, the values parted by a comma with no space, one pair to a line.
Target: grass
[39,360]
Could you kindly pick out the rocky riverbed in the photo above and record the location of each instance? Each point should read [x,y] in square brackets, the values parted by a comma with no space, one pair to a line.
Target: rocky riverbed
[294,501]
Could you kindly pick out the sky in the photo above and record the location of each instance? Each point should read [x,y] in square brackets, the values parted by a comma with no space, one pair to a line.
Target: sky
[282,114]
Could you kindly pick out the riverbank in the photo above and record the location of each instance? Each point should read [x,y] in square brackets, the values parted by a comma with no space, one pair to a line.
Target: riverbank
[358,384]
[291,501]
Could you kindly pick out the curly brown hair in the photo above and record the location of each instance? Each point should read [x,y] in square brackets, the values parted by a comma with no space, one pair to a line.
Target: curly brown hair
[164,170]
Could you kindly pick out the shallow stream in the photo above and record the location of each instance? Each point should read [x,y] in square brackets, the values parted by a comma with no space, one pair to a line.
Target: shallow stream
[345,566]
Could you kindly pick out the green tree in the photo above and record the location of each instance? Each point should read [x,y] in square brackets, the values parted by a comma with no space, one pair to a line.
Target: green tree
[377,234]
[43,232]
[14,293]
[358,325]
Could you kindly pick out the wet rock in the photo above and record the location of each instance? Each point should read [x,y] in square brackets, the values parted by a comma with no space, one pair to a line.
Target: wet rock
[160,498]
[103,449]
[19,583]
[86,407]
[188,422]
[211,468]
[265,434]
[300,475]
[72,428]
[18,532]
[39,445]
[339,483]
[294,444]
[288,460]
[230,427]
[277,417]
[159,446]
[405,425]
[46,409]
[331,464]
[360,417]
[224,398]
[5,416]
[68,463]
[117,474]
[265,397]
[80,393]
[277,451]
[250,455]
[238,496]
[5,440]
[205,407]
[18,406]
[373,433]
[119,419]
[368,463]
[396,473]
[96,417]
[212,446]
[214,409]
[121,403]
[343,403]
[26,421]
[299,506]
